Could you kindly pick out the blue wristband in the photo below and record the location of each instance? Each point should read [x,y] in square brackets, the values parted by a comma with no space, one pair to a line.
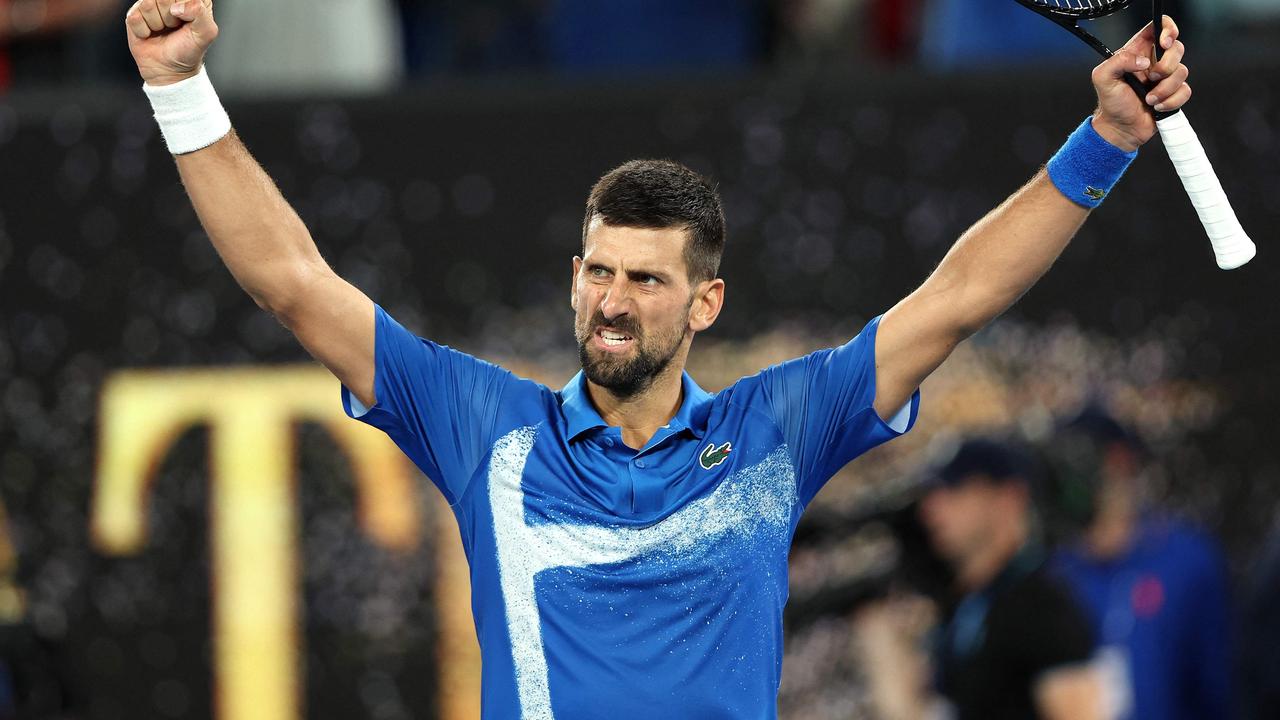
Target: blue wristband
[1088,166]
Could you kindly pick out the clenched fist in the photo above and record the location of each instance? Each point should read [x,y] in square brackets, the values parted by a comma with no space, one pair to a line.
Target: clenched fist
[168,38]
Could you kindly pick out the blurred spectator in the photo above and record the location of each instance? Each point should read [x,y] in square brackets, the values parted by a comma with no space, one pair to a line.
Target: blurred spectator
[1155,587]
[28,26]
[848,29]
[346,46]
[961,34]
[1016,645]
[656,34]
[307,46]
[474,35]
[582,35]
[894,23]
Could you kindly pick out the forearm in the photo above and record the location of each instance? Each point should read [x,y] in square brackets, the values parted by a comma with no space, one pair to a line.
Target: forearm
[258,235]
[998,259]
[986,271]
[255,231]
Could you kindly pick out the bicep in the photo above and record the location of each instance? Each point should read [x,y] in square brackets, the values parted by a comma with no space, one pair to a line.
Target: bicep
[1069,693]
[334,321]
[915,337]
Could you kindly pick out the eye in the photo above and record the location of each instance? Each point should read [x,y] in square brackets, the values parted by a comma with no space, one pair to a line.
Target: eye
[596,271]
[647,280]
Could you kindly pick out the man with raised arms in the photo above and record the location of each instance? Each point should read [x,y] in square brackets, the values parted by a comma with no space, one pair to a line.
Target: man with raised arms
[628,534]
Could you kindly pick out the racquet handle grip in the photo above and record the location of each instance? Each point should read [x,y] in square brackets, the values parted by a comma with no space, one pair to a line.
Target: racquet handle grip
[1231,244]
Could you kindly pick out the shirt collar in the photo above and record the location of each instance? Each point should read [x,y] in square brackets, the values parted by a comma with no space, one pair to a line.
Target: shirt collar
[581,416]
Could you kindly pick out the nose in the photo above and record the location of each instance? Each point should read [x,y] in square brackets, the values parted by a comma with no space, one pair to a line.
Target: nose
[617,299]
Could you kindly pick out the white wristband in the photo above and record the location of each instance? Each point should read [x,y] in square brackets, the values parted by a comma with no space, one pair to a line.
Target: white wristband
[189,113]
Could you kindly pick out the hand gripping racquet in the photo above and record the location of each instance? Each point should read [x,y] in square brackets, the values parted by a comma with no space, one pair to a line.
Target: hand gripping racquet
[1231,244]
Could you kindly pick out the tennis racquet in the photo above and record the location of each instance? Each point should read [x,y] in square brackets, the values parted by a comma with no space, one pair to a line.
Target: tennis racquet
[1231,244]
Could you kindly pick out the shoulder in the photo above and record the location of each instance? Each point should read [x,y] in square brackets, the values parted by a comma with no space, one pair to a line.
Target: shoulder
[1197,552]
[1179,537]
[860,347]
[1068,562]
[1041,615]
[743,403]
[1041,599]
[1041,588]
[799,369]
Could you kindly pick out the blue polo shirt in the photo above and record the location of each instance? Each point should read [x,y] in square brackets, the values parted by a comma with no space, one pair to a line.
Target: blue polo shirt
[613,582]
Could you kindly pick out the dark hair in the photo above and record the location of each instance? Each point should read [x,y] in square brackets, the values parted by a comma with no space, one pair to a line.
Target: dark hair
[996,460]
[657,194]
[1095,425]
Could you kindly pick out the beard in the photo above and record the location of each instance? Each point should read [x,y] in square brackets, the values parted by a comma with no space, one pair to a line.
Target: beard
[627,377]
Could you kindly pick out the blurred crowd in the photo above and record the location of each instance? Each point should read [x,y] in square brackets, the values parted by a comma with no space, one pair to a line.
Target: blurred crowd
[344,46]
[1038,564]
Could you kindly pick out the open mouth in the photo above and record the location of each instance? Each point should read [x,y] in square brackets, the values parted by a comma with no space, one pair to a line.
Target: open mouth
[612,338]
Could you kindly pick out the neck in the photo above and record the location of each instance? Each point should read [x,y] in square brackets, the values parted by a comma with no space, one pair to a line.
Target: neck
[990,558]
[1111,533]
[641,415]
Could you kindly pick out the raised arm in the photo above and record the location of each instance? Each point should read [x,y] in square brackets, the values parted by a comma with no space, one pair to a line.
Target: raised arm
[1002,256]
[255,231]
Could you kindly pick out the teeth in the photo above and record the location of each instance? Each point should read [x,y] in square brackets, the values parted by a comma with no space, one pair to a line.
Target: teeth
[613,338]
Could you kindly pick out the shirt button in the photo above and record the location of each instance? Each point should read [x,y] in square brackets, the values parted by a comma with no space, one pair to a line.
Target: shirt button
[639,463]
[608,442]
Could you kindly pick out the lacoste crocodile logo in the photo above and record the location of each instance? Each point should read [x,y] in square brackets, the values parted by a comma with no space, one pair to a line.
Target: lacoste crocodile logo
[1094,193]
[713,455]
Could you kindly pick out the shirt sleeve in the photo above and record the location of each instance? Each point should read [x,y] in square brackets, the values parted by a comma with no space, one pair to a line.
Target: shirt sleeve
[440,406]
[823,404]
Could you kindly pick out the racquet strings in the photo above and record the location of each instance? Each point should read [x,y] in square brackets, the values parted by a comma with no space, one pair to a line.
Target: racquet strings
[1083,9]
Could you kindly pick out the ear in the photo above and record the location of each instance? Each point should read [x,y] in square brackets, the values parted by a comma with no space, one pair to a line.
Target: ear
[708,300]
[573,283]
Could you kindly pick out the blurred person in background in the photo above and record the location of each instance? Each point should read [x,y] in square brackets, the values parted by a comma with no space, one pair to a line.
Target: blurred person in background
[646,35]
[1155,586]
[1016,644]
[850,30]
[292,47]
[474,36]
[974,34]
[583,36]
[966,34]
[895,27]
[29,33]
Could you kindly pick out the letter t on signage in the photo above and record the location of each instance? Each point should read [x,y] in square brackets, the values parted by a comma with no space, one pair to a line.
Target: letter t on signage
[251,414]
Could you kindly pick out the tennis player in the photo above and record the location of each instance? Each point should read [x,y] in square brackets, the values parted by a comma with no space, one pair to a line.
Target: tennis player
[628,534]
